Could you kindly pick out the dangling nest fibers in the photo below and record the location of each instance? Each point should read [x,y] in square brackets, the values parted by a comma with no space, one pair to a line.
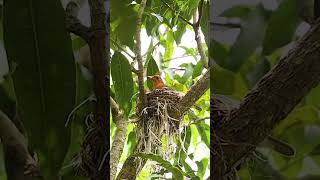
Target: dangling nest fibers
[161,116]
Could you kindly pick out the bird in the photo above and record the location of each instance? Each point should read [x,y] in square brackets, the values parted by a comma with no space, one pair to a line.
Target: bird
[157,82]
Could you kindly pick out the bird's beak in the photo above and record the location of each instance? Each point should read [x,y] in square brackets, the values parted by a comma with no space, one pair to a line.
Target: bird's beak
[149,77]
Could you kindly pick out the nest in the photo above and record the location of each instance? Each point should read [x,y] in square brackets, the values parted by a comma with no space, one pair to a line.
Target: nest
[159,117]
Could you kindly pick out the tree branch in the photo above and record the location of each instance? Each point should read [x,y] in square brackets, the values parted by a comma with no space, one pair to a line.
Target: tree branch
[195,92]
[17,153]
[269,102]
[96,145]
[142,93]
[120,137]
[74,25]
[196,28]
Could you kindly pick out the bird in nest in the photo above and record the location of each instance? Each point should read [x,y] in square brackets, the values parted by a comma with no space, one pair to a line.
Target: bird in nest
[159,84]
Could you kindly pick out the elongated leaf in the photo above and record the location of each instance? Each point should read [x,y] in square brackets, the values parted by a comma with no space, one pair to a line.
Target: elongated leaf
[218,52]
[37,41]
[281,27]
[122,80]
[202,165]
[204,131]
[152,69]
[250,37]
[205,22]
[177,173]
[236,11]
[77,124]
[169,46]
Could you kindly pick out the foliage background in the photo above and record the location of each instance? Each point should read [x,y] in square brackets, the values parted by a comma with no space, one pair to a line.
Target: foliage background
[168,46]
[248,39]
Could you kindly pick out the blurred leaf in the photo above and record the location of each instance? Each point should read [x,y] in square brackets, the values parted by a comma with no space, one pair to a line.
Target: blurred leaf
[122,80]
[44,80]
[258,71]
[281,27]
[299,116]
[123,23]
[176,172]
[132,142]
[252,30]
[218,52]
[313,98]
[7,98]
[236,11]
[78,43]
[235,86]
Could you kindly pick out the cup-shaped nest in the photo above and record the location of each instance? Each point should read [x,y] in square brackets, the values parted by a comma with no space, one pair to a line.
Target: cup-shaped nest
[160,116]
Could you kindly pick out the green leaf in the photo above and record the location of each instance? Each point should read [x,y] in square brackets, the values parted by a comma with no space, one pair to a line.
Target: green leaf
[197,70]
[37,41]
[181,29]
[187,74]
[313,98]
[204,131]
[123,23]
[258,71]
[122,80]
[202,165]
[83,108]
[169,45]
[218,52]
[8,104]
[236,11]
[132,142]
[204,23]
[281,27]
[252,31]
[152,69]
[177,173]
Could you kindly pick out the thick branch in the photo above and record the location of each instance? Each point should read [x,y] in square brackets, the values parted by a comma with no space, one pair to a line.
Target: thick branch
[195,92]
[270,101]
[142,93]
[16,149]
[74,25]
[120,137]
[97,140]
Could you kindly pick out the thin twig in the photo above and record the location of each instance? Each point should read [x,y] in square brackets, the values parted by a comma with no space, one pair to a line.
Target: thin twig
[184,56]
[196,28]
[143,97]
[198,121]
[173,10]
[121,48]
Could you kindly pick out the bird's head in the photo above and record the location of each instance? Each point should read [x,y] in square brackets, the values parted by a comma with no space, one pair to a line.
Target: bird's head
[157,82]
